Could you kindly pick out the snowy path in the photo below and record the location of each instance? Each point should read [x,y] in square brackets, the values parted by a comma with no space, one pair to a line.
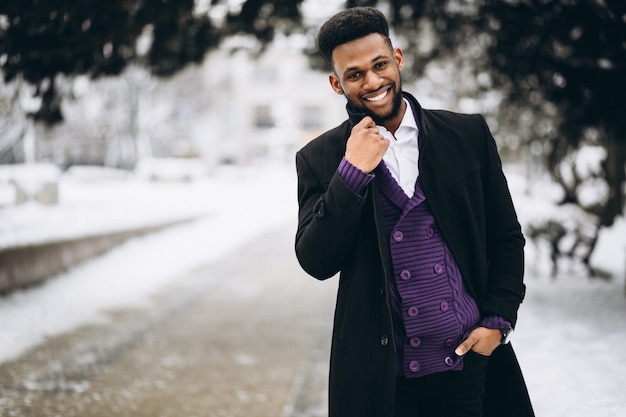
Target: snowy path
[240,207]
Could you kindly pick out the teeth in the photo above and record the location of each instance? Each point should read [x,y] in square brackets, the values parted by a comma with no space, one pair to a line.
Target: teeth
[378,97]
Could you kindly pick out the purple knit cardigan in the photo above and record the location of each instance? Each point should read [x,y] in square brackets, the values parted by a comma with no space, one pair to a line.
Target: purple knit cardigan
[432,311]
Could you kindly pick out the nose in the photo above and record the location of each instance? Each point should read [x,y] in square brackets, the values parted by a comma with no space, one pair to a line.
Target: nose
[372,80]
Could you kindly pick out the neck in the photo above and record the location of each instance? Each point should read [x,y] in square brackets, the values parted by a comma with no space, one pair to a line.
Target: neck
[393,124]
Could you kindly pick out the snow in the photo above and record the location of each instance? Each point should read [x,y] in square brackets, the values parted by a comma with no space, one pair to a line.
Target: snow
[235,204]
[570,336]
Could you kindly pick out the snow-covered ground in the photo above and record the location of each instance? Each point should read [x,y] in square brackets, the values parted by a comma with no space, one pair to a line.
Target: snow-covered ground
[570,337]
[233,206]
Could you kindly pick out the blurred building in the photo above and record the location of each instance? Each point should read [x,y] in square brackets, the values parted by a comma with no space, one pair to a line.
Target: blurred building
[266,107]
[237,107]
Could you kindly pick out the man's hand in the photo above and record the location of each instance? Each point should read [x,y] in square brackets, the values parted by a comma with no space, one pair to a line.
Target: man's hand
[481,340]
[366,146]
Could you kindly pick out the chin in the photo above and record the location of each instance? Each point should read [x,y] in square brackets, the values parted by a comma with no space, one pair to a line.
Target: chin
[382,118]
[396,105]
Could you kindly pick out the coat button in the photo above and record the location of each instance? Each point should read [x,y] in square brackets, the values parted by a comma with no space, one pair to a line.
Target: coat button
[414,366]
[319,209]
[413,311]
[384,340]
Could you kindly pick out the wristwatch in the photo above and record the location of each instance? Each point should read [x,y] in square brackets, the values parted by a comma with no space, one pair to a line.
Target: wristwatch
[507,332]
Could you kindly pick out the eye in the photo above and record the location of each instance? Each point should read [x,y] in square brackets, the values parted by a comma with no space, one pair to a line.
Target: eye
[380,64]
[353,75]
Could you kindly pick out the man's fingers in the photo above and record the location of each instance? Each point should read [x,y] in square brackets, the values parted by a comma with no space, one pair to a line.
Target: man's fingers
[462,349]
[466,345]
[366,146]
[366,122]
[481,340]
[366,125]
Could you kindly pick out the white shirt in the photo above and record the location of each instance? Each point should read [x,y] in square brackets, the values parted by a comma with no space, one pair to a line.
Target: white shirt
[402,155]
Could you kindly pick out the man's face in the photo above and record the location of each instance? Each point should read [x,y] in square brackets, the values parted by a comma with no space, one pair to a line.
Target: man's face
[367,71]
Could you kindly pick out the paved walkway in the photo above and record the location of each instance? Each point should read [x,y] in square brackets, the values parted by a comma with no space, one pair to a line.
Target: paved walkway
[247,336]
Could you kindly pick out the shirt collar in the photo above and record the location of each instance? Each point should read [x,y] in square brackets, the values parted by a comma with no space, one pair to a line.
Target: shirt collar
[408,121]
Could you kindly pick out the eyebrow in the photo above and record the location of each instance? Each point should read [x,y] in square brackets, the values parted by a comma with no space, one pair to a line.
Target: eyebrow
[372,61]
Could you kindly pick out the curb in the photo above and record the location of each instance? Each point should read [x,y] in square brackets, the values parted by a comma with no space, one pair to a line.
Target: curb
[25,266]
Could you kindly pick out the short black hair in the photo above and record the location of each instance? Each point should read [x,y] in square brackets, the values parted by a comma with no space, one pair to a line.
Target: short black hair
[348,25]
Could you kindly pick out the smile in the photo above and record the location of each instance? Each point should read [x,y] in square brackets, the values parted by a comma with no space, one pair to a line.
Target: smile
[378,97]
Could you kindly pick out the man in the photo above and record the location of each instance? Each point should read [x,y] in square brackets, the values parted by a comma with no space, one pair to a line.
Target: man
[412,208]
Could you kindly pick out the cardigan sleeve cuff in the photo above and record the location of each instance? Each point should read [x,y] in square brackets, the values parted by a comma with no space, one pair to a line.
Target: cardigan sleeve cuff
[354,178]
[494,322]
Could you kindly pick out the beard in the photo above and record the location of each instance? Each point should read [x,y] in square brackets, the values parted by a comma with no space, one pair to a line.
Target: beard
[378,119]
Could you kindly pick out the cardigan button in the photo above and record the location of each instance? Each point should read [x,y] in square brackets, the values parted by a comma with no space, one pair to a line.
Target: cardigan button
[444,306]
[384,340]
[415,342]
[449,361]
[414,366]
[405,275]
[413,311]
[398,236]
[438,268]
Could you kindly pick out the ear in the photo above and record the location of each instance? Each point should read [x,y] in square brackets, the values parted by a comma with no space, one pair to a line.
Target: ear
[399,57]
[335,83]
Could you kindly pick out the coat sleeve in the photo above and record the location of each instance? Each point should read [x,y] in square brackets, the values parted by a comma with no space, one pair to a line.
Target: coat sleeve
[328,216]
[504,239]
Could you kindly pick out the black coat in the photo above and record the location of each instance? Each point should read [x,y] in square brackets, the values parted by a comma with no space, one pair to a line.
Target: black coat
[341,231]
